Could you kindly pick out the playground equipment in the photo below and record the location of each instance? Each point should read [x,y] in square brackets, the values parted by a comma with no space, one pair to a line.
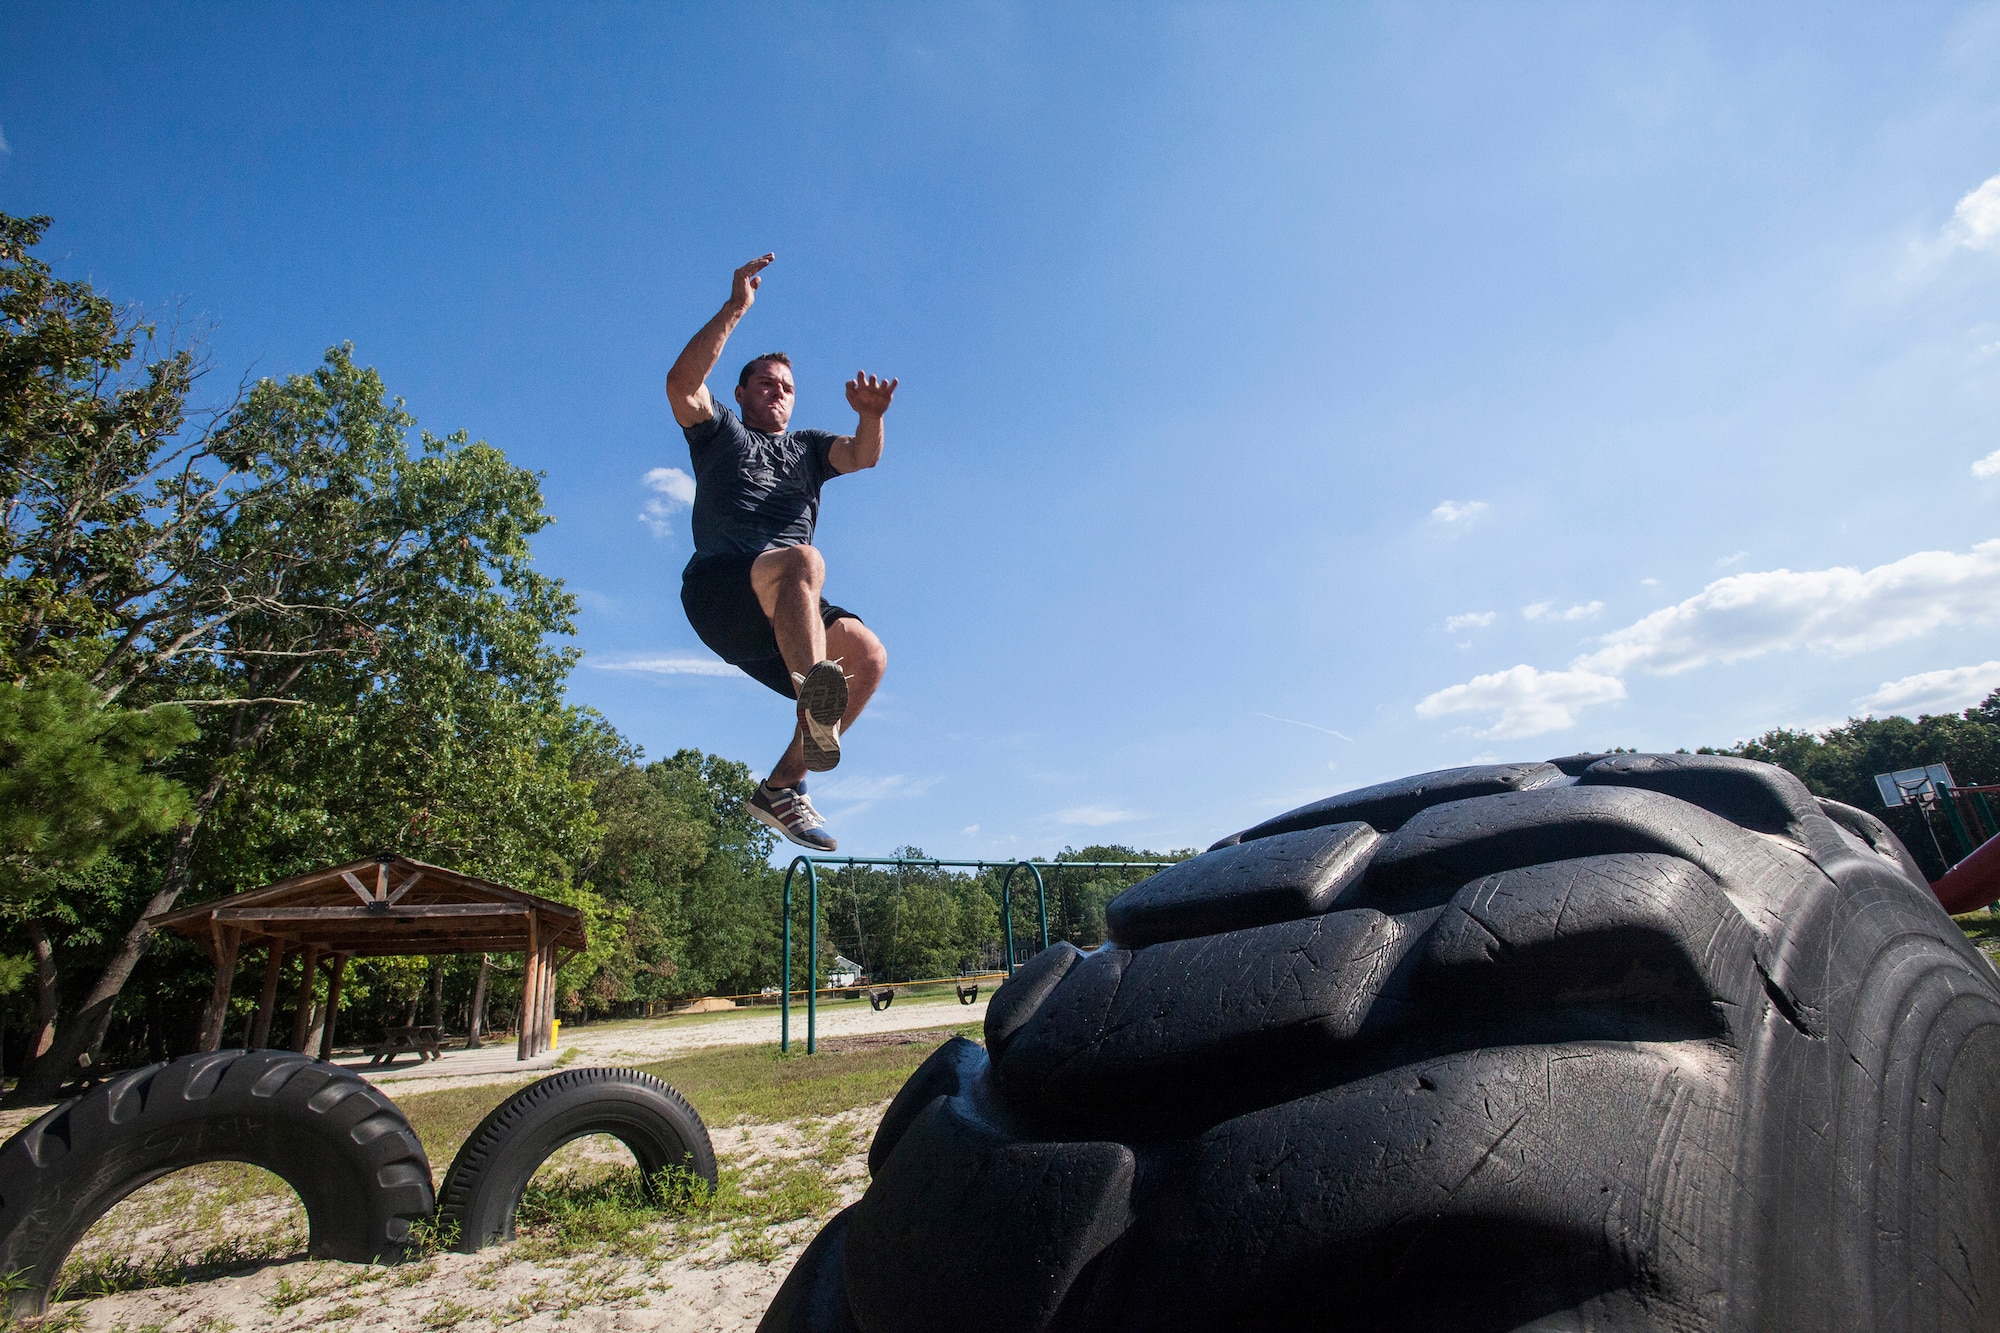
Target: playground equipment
[1930,790]
[343,1146]
[1628,1041]
[812,864]
[655,1123]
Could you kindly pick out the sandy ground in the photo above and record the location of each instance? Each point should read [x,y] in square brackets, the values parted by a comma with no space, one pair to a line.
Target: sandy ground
[723,1281]
[689,1284]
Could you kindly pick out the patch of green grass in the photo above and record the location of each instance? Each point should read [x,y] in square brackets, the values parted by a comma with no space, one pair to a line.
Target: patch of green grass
[63,1321]
[429,1237]
[448,1314]
[107,1275]
[613,1213]
[444,1120]
[1982,928]
[759,1247]
[757,1083]
[291,1293]
[608,1212]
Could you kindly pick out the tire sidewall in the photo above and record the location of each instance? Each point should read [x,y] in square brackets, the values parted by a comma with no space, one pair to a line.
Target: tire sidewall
[492,1171]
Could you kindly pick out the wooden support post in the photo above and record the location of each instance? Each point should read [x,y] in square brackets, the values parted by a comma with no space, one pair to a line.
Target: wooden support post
[267,1003]
[302,1017]
[475,1026]
[217,1012]
[436,1018]
[332,1006]
[541,1039]
[547,1026]
[524,1047]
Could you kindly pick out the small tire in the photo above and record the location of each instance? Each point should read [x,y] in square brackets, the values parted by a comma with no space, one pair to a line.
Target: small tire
[484,1186]
[344,1147]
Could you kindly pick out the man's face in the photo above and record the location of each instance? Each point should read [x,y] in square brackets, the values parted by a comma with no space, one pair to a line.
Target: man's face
[766,397]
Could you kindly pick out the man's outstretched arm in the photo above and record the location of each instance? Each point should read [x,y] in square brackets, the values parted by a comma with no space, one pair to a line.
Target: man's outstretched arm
[687,381]
[869,397]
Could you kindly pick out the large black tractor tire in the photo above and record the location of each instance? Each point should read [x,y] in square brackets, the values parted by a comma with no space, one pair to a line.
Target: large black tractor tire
[343,1146]
[1627,1042]
[484,1186]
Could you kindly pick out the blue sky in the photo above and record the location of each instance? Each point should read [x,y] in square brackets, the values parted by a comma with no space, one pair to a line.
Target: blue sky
[1293,396]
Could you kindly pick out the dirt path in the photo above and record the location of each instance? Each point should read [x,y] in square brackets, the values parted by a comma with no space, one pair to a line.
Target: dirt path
[643,1041]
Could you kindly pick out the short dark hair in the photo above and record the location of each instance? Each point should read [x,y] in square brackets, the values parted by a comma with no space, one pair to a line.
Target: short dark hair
[757,361]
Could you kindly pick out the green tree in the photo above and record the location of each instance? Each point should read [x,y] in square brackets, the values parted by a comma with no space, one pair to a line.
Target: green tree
[1841,763]
[296,562]
[729,902]
[75,779]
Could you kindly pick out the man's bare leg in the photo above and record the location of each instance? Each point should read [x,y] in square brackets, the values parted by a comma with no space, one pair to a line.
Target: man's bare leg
[864,659]
[787,582]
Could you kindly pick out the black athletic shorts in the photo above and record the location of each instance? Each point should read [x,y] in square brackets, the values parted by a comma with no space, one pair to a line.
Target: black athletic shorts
[723,608]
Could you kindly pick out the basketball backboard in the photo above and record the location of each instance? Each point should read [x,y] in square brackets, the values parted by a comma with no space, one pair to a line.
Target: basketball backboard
[1909,784]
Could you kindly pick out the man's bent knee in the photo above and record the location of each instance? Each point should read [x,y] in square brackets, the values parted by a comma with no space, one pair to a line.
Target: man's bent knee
[788,567]
[861,653]
[788,564]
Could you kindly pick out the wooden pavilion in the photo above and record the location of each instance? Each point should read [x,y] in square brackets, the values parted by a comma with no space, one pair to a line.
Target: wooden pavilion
[385,906]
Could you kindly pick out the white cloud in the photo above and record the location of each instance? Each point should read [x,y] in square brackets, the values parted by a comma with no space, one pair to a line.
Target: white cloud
[1724,562]
[853,793]
[5,147]
[674,491]
[1988,466]
[1547,611]
[1455,511]
[1836,611]
[674,666]
[1975,223]
[854,787]
[1470,620]
[969,830]
[1949,691]
[671,482]
[1095,816]
[1528,701]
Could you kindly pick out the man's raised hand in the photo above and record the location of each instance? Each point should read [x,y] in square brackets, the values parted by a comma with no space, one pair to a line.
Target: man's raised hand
[743,287]
[868,395]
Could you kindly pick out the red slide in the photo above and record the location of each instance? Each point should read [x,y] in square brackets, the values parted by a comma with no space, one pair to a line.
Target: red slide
[1973,882]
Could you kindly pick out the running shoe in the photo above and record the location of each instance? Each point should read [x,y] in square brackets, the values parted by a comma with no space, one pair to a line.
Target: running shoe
[822,703]
[788,810]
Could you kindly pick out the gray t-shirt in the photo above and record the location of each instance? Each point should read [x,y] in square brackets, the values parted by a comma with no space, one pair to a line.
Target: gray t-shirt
[753,491]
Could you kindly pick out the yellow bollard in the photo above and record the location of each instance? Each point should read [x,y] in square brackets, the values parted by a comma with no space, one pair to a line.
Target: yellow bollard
[555,1034]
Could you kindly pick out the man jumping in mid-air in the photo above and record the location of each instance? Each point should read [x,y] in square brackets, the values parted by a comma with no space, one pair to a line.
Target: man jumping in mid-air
[752,590]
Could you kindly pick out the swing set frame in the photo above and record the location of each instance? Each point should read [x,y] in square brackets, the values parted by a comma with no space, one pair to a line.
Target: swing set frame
[812,864]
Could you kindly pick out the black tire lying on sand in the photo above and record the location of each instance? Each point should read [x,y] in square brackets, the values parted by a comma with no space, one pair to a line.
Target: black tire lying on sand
[1631,1042]
[484,1186]
[343,1146]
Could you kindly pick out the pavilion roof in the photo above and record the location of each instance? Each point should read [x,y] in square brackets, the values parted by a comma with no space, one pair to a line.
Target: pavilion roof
[385,905]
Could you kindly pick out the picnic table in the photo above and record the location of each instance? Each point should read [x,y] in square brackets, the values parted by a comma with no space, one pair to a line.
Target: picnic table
[426,1040]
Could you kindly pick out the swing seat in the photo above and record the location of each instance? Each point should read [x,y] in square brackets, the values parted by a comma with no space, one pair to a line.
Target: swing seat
[879,1000]
[967,994]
